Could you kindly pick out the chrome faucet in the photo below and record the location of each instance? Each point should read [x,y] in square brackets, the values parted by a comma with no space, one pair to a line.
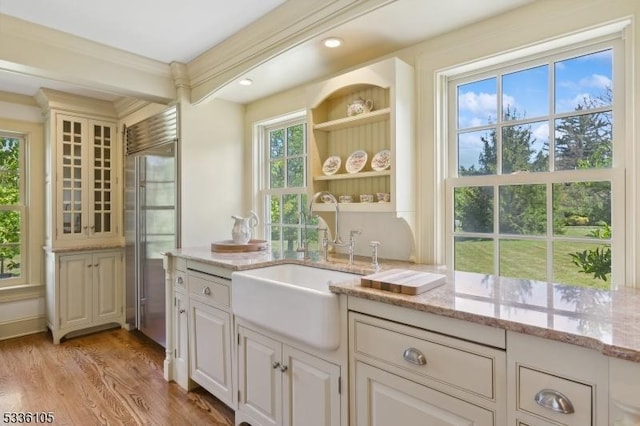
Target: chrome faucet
[337,241]
[352,243]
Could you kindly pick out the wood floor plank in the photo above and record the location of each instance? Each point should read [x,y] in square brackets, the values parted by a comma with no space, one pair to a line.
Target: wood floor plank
[114,377]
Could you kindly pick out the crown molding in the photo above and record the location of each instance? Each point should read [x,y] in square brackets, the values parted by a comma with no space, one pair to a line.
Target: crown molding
[126,106]
[282,29]
[50,99]
[36,51]
[16,98]
[80,46]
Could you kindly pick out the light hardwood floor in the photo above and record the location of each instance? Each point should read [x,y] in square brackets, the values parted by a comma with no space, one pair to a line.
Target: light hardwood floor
[112,377]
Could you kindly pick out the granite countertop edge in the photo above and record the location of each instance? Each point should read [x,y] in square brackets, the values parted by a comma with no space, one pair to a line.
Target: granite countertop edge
[245,261]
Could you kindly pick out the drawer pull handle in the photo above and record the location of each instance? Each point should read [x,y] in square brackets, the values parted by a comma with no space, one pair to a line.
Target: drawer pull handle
[414,356]
[554,401]
[275,365]
[182,311]
[179,281]
[206,290]
[283,368]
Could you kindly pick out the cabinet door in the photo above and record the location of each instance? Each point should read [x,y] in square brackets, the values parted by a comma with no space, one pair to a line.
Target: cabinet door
[311,390]
[260,377]
[107,296]
[75,298]
[384,399]
[86,183]
[210,349]
[101,181]
[72,217]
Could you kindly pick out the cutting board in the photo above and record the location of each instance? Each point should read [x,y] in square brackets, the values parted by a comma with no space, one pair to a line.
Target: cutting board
[228,246]
[403,281]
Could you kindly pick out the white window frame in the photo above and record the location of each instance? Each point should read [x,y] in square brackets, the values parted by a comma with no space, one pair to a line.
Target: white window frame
[619,174]
[262,178]
[22,209]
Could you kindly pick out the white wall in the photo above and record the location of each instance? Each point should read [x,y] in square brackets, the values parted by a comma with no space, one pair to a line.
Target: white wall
[213,170]
[22,309]
[540,21]
[543,20]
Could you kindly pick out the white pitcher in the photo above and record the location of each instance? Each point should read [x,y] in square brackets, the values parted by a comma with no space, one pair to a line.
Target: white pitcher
[241,232]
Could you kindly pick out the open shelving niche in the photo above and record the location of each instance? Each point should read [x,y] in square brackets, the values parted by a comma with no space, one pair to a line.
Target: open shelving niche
[389,125]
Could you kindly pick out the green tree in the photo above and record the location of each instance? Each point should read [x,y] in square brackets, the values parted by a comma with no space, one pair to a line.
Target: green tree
[9,196]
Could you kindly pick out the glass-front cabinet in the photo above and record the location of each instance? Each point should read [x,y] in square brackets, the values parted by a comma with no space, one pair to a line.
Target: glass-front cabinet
[84,254]
[86,178]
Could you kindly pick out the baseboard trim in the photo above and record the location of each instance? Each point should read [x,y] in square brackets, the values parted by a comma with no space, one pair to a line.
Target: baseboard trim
[22,327]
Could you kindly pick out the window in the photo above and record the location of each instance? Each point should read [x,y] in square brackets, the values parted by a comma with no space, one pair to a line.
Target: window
[285,187]
[536,168]
[12,209]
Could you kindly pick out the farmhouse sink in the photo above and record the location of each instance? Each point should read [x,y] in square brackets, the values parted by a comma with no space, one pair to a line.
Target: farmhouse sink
[293,300]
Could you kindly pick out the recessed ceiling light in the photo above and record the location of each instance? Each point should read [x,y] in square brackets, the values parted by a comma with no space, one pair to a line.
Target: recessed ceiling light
[246,82]
[332,42]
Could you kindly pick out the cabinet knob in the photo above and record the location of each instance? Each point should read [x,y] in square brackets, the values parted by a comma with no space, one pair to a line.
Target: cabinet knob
[182,311]
[89,265]
[283,368]
[275,365]
[206,290]
[179,281]
[96,265]
[414,356]
[554,401]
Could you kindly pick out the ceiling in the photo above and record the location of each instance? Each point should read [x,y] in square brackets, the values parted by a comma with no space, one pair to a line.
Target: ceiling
[152,29]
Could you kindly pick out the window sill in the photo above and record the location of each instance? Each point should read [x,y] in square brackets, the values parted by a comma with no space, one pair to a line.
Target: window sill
[21,292]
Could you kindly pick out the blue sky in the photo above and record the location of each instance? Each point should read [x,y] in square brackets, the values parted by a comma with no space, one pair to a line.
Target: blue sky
[527,93]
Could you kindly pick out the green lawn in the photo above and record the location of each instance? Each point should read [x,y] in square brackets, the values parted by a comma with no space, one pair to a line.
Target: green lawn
[527,259]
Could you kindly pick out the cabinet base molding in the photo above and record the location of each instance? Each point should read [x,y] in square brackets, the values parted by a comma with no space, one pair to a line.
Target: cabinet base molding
[58,335]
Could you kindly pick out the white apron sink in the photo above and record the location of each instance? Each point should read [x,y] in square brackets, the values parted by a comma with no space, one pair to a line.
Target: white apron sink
[293,300]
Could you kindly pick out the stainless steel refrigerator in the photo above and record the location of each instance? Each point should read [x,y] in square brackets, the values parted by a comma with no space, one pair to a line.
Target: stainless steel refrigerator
[151,226]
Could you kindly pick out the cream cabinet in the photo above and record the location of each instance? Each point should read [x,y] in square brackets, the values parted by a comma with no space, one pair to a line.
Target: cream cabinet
[624,391]
[82,171]
[210,330]
[178,324]
[389,125]
[84,290]
[83,237]
[407,375]
[282,385]
[555,383]
[86,179]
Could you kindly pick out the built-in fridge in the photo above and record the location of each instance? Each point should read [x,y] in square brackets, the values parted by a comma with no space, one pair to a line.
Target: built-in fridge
[151,219]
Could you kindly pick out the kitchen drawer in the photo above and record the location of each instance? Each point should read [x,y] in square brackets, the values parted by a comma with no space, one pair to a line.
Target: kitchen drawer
[555,389]
[209,288]
[181,264]
[439,358]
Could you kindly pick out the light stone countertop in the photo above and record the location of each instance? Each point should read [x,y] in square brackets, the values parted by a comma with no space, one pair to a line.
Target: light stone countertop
[607,321]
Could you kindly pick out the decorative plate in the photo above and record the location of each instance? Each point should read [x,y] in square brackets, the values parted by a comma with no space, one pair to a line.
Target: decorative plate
[356,161]
[381,161]
[331,165]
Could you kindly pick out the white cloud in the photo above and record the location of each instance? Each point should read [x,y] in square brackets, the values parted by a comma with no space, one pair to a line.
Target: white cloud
[478,103]
[541,131]
[477,109]
[508,101]
[597,81]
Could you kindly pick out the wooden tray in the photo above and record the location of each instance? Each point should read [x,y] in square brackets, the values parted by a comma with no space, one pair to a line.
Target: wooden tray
[228,246]
[403,281]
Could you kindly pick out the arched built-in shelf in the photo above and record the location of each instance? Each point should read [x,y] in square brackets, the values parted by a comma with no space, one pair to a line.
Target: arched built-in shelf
[389,84]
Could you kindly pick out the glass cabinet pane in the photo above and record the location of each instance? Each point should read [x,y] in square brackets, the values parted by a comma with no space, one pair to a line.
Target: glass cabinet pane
[102,177]
[72,151]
